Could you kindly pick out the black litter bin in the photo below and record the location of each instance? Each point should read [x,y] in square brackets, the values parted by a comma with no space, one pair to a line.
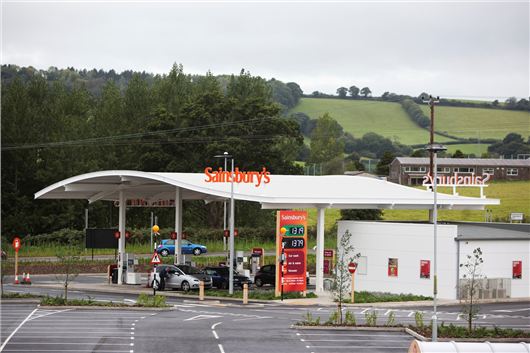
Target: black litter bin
[115,276]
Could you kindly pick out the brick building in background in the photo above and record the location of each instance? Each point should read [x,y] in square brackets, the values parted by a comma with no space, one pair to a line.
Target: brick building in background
[411,170]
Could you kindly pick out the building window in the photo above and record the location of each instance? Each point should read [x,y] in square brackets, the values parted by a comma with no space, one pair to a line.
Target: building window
[415,169]
[512,171]
[464,170]
[489,171]
[444,170]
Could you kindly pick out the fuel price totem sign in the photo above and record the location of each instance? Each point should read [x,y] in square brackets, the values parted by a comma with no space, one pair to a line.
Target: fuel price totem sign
[291,251]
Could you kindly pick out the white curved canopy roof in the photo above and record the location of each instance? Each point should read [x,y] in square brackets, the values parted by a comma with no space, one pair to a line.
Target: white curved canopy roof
[283,191]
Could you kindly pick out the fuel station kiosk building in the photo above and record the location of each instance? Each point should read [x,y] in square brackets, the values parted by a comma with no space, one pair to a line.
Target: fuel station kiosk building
[276,192]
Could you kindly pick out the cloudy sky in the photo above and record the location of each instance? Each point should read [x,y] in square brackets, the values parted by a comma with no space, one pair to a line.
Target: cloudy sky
[447,48]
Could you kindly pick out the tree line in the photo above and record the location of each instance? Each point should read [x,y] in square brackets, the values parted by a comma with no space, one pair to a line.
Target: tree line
[55,129]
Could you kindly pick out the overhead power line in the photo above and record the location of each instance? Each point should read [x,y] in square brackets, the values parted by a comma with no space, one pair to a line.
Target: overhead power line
[113,139]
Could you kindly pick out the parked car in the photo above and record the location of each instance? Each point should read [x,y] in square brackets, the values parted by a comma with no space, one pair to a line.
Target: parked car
[267,275]
[167,247]
[175,279]
[197,273]
[220,277]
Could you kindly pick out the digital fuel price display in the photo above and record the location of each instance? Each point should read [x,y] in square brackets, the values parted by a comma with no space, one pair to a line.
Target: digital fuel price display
[293,243]
[291,251]
[292,230]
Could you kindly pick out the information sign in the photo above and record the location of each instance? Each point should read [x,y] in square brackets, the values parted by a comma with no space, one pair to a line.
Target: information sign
[291,237]
[425,269]
[517,272]
[16,244]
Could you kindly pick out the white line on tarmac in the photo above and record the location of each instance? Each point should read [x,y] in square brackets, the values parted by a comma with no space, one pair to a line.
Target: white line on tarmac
[362,347]
[64,350]
[215,335]
[365,310]
[221,348]
[217,323]
[347,334]
[410,314]
[76,343]
[15,331]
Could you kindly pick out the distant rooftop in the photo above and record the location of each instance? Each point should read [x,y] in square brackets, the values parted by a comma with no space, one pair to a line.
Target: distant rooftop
[467,161]
[492,231]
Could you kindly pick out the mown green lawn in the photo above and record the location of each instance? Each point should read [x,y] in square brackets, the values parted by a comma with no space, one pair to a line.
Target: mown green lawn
[480,122]
[359,117]
[514,196]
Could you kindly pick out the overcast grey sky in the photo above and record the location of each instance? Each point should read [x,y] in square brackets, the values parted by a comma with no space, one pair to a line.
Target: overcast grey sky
[458,49]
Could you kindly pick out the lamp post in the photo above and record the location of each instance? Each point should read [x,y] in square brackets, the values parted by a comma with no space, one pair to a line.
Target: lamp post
[231,239]
[434,149]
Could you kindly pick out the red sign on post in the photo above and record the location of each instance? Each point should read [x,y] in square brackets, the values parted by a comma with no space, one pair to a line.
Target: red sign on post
[352,266]
[16,244]
[328,253]
[291,237]
[173,235]
[257,251]
[117,234]
[517,272]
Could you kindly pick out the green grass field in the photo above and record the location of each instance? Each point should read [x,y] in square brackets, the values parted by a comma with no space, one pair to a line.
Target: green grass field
[475,148]
[359,117]
[514,196]
[388,119]
[479,122]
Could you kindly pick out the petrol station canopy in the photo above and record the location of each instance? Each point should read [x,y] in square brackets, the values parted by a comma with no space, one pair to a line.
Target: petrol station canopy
[282,192]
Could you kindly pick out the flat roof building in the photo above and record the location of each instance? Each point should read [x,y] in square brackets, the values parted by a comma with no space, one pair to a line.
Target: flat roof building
[411,170]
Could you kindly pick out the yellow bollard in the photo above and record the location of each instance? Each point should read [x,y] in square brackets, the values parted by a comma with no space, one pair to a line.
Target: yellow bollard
[201,290]
[245,293]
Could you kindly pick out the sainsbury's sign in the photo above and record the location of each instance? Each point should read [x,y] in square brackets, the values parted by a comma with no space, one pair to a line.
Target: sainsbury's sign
[457,180]
[224,176]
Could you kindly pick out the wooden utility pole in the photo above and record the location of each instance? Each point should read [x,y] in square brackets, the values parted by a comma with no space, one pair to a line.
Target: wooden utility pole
[431,102]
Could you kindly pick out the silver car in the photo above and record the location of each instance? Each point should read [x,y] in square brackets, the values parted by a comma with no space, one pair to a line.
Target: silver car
[175,279]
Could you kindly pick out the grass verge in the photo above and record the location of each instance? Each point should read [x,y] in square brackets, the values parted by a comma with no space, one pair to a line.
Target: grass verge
[255,294]
[144,300]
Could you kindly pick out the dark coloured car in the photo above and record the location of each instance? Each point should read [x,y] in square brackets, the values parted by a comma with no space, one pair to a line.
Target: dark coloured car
[197,273]
[220,277]
[267,275]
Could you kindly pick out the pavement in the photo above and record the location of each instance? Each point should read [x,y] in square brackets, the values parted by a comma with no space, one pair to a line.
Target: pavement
[98,283]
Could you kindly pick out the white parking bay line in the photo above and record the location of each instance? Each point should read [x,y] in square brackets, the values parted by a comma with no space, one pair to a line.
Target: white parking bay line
[362,347]
[15,331]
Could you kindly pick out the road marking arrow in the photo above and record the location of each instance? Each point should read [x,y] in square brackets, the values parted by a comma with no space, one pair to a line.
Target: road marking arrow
[202,317]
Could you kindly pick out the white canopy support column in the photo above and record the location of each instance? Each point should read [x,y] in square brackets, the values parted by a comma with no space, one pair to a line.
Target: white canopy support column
[320,250]
[178,226]
[121,241]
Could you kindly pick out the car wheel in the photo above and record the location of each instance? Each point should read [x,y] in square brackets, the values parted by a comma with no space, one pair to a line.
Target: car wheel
[185,286]
[164,252]
[196,251]
[259,282]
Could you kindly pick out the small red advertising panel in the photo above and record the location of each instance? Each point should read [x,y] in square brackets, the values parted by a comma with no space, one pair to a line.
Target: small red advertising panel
[425,269]
[328,252]
[517,269]
[291,239]
[392,267]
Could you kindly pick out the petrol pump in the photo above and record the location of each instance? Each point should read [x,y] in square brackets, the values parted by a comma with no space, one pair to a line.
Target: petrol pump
[256,260]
